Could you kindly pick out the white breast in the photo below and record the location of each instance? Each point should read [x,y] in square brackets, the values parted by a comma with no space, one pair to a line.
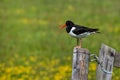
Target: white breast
[71,32]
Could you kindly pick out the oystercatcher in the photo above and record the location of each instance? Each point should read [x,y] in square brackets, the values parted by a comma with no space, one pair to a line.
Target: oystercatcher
[78,31]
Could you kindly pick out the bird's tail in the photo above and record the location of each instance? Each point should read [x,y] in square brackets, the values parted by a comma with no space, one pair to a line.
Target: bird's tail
[94,30]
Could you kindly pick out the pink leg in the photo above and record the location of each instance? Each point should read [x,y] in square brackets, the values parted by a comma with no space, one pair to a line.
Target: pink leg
[77,43]
[80,43]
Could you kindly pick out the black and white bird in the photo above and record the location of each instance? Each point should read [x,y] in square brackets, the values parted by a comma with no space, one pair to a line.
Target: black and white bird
[78,31]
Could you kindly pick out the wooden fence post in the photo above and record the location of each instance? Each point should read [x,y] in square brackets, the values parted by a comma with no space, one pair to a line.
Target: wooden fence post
[106,60]
[80,64]
[117,60]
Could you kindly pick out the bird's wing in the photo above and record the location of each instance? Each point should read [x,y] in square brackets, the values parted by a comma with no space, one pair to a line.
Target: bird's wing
[80,29]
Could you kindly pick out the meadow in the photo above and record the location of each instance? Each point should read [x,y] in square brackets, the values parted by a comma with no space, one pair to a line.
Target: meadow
[33,47]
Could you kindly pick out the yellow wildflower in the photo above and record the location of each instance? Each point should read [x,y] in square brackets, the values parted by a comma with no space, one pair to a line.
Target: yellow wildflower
[116,29]
[58,77]
[117,78]
[89,76]
[70,7]
[19,11]
[3,77]
[32,58]
[92,66]
[43,22]
[8,70]
[25,21]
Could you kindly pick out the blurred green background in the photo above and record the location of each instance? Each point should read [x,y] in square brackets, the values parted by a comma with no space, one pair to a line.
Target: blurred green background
[32,47]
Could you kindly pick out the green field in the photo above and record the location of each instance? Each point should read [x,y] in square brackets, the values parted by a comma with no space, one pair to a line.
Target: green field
[33,47]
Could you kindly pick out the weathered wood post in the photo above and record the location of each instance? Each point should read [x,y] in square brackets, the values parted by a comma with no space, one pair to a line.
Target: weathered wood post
[106,62]
[117,60]
[80,64]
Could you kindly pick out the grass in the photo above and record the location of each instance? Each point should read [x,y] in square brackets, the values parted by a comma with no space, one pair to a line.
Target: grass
[32,47]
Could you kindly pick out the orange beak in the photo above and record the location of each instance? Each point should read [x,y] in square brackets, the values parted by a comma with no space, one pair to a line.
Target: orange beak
[63,26]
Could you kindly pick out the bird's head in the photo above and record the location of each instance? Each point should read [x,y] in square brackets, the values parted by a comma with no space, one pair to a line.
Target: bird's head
[68,23]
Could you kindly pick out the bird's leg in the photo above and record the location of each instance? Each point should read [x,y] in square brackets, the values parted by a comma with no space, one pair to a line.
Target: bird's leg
[77,43]
[80,42]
